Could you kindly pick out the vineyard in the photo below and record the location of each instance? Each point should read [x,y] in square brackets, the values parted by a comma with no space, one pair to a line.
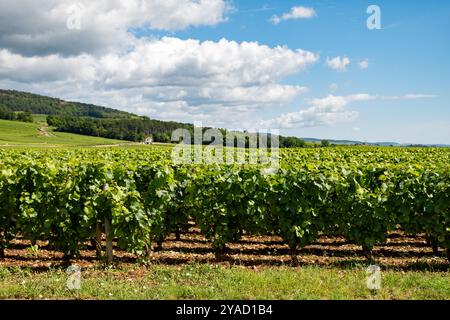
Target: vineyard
[138,198]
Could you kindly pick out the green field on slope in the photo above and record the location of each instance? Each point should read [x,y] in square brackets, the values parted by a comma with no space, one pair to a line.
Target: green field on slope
[14,133]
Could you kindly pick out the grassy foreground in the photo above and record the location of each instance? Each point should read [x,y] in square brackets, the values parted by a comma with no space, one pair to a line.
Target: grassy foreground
[220,282]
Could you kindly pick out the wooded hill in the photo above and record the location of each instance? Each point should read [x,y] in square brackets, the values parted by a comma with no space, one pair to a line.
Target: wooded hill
[97,121]
[28,102]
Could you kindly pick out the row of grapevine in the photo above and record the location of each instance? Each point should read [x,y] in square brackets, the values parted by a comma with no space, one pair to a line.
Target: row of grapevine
[139,200]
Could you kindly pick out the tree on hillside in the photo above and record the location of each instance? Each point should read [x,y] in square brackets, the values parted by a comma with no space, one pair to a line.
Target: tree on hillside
[292,142]
[24,117]
[6,113]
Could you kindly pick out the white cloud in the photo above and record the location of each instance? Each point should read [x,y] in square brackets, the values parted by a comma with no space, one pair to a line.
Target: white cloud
[40,27]
[328,110]
[295,13]
[309,118]
[176,62]
[272,93]
[169,78]
[363,64]
[410,97]
[338,63]
[332,102]
[49,68]
[321,111]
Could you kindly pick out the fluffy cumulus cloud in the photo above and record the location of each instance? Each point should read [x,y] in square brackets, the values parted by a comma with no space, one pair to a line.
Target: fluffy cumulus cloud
[295,13]
[174,62]
[338,63]
[70,27]
[168,78]
[329,110]
[321,111]
[50,68]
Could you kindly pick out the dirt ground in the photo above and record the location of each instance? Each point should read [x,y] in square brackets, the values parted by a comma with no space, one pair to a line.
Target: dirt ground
[401,253]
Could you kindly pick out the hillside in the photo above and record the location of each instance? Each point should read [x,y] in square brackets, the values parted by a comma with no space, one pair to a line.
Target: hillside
[97,121]
[86,119]
[37,104]
[14,133]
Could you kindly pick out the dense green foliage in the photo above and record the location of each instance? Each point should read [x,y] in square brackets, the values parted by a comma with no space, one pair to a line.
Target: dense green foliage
[24,117]
[133,129]
[36,104]
[360,193]
[8,114]
[137,129]
[325,143]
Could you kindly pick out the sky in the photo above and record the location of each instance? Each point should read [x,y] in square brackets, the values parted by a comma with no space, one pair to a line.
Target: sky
[308,68]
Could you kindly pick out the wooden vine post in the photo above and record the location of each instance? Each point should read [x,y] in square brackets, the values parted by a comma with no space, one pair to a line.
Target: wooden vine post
[294,256]
[2,249]
[109,245]
[368,253]
[98,240]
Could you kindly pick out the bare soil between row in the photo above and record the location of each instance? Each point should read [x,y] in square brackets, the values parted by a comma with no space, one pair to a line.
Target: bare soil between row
[401,252]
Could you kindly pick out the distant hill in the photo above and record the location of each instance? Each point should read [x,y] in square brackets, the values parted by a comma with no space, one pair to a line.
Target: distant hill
[36,104]
[87,119]
[380,144]
[353,142]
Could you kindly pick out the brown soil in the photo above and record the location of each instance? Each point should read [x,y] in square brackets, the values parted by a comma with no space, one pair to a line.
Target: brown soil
[401,252]
[43,131]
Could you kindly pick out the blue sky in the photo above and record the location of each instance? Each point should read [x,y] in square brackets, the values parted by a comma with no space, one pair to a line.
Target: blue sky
[410,54]
[167,60]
